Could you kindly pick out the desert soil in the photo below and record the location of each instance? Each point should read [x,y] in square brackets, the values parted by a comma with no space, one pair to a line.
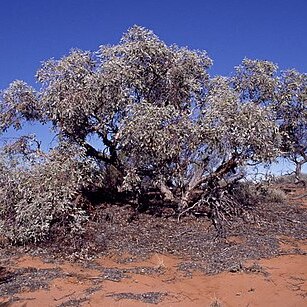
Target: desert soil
[146,260]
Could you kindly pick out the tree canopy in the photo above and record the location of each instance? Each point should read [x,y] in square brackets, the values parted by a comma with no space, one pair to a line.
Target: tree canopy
[166,132]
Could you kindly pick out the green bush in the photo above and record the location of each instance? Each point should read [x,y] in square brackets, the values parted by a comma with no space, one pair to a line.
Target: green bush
[43,196]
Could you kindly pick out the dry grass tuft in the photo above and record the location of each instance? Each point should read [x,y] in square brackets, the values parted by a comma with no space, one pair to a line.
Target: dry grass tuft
[216,302]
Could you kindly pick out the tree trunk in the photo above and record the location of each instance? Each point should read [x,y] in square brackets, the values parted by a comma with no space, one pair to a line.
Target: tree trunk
[298,172]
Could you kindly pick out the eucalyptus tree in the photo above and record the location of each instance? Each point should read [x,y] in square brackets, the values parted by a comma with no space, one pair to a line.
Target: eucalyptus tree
[162,126]
[286,94]
[291,108]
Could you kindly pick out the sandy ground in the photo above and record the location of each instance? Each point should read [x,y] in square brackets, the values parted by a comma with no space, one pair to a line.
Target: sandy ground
[280,281]
[260,266]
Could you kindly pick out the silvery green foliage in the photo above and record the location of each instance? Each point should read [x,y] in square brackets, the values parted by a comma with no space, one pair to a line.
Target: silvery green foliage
[242,127]
[286,94]
[38,196]
[19,102]
[256,80]
[291,110]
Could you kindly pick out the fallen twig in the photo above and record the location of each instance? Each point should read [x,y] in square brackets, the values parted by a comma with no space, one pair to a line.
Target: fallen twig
[67,295]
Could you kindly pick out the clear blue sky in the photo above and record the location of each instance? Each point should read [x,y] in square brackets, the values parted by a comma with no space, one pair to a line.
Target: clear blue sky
[35,30]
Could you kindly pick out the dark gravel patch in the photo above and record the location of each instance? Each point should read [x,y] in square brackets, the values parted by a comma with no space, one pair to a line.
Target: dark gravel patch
[27,279]
[73,302]
[147,297]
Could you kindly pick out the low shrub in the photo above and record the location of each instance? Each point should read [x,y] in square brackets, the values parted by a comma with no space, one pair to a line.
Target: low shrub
[43,196]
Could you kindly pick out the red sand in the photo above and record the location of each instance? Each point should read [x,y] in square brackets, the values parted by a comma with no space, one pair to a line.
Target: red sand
[283,285]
